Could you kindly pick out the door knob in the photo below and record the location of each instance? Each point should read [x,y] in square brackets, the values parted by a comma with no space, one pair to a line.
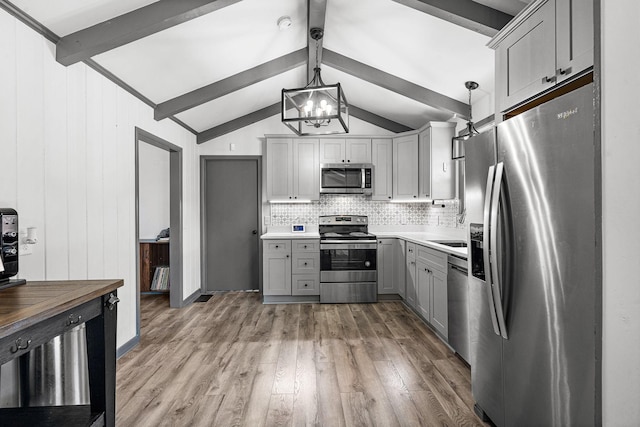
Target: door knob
[254,232]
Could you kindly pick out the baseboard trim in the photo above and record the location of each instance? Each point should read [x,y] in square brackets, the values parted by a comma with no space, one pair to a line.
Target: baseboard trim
[128,346]
[191,298]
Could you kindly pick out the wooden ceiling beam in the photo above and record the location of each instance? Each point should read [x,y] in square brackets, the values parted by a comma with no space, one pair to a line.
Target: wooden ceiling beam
[395,84]
[274,109]
[466,13]
[230,84]
[377,120]
[239,123]
[132,26]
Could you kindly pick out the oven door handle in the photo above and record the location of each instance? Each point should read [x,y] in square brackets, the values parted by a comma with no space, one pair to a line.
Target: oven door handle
[340,244]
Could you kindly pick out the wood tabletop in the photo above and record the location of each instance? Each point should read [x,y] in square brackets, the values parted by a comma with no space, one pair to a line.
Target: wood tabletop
[24,305]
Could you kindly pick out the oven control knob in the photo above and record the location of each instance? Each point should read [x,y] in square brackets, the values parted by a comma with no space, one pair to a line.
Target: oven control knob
[367,263]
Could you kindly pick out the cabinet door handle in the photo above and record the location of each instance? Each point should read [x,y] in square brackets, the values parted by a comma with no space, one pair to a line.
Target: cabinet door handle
[305,246]
[306,284]
[305,264]
[287,256]
[73,319]
[547,79]
[277,246]
[565,71]
[20,345]
[348,161]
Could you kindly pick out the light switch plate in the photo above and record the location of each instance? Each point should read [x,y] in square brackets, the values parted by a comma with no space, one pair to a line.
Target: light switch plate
[25,249]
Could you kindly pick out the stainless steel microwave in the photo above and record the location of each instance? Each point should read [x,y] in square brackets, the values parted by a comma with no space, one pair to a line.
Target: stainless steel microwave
[346,178]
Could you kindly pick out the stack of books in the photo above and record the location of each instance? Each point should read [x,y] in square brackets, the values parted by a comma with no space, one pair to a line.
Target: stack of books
[160,279]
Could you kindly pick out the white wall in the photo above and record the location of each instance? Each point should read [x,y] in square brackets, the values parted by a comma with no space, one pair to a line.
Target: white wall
[153,198]
[68,164]
[620,206]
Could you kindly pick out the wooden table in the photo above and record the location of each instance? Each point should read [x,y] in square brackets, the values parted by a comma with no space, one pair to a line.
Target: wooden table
[34,313]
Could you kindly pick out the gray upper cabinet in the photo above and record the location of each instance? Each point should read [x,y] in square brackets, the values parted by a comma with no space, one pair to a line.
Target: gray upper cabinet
[351,150]
[548,42]
[382,159]
[437,171]
[405,167]
[574,44]
[306,169]
[279,170]
[292,172]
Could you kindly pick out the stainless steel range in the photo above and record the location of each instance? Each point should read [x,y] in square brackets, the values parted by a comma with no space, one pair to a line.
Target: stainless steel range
[347,260]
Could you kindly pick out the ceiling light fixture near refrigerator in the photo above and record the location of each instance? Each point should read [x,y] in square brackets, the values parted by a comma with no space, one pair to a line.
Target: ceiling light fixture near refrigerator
[457,148]
[317,108]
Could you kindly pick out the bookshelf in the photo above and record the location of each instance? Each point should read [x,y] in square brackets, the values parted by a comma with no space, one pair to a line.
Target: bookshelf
[152,254]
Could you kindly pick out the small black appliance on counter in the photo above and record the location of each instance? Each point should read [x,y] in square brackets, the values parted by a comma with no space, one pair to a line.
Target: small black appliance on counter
[9,243]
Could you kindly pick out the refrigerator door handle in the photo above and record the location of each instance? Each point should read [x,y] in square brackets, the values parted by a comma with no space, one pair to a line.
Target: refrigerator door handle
[485,247]
[493,235]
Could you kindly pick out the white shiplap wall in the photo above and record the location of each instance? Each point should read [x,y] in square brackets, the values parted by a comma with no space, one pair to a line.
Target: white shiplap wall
[67,150]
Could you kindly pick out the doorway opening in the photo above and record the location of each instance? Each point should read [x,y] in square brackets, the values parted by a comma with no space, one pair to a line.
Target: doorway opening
[174,211]
[231,204]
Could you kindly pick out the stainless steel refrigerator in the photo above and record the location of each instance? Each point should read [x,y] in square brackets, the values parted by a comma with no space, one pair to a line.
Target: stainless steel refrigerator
[533,256]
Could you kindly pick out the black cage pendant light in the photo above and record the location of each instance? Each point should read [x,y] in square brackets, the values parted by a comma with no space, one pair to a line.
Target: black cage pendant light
[457,146]
[317,108]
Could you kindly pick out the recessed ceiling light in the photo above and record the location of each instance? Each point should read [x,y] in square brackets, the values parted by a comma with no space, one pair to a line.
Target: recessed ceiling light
[284,22]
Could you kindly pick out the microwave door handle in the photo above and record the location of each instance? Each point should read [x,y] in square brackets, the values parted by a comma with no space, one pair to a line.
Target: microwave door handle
[485,247]
[362,174]
[495,283]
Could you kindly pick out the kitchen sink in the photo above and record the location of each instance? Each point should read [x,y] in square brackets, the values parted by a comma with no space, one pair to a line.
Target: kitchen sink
[451,243]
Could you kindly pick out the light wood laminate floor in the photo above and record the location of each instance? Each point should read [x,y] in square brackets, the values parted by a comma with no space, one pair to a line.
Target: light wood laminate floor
[234,361]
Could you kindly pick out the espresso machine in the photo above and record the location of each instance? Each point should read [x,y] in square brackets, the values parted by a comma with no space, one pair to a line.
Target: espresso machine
[9,244]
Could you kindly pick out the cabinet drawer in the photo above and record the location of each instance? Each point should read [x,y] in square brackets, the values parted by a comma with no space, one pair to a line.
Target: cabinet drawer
[305,284]
[435,258]
[282,246]
[24,341]
[306,245]
[305,263]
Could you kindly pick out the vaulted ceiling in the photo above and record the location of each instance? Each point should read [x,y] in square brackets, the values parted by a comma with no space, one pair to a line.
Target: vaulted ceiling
[217,65]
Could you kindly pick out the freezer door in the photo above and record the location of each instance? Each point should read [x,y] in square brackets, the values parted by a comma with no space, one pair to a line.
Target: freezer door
[484,344]
[549,270]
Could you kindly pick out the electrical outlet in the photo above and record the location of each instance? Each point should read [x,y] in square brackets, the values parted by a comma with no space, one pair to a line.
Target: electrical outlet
[267,220]
[403,220]
[25,249]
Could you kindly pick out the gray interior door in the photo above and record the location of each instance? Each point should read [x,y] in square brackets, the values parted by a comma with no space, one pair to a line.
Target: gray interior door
[231,222]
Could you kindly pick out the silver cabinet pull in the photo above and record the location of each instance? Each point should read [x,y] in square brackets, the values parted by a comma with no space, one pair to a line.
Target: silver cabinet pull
[565,71]
[20,345]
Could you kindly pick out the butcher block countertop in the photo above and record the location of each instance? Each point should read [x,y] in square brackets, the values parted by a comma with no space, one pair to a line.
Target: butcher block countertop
[25,305]
[33,313]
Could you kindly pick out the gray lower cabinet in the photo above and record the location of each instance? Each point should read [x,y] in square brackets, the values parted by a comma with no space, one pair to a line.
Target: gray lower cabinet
[432,288]
[423,289]
[305,273]
[291,267]
[410,282]
[391,266]
[276,268]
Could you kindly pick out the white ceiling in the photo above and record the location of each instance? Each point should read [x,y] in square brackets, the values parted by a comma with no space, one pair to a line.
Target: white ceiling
[384,34]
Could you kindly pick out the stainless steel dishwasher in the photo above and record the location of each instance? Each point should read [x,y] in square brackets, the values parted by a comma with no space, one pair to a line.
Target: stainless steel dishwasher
[458,306]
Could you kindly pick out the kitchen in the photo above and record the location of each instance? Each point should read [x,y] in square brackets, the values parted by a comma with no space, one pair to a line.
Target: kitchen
[62,180]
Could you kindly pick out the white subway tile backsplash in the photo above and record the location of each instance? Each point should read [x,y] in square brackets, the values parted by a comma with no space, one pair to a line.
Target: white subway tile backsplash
[379,213]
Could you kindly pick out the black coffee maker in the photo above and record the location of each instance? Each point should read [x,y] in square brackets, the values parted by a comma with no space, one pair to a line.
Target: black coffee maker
[9,244]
